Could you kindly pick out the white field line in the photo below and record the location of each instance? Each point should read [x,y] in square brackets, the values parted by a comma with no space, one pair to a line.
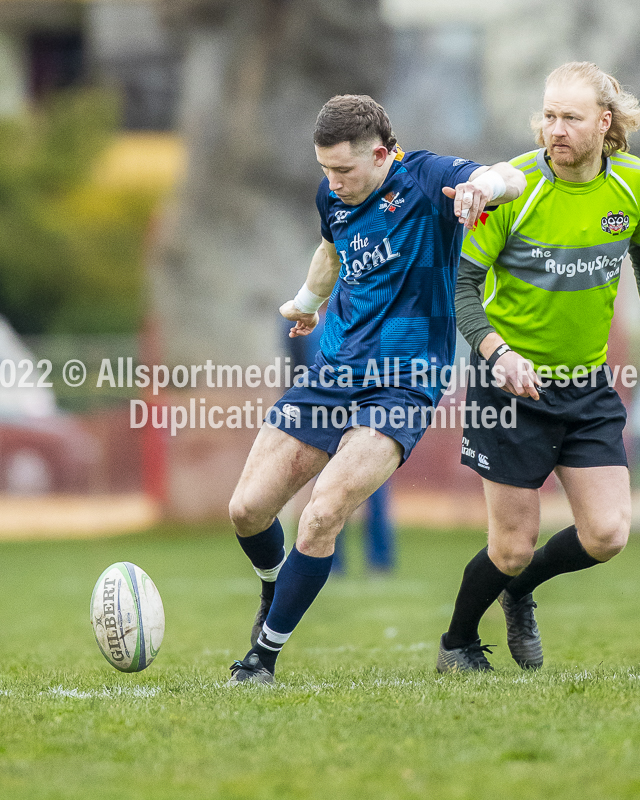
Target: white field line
[118,691]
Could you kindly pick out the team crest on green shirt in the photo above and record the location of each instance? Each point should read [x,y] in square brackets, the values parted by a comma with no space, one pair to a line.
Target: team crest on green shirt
[615,223]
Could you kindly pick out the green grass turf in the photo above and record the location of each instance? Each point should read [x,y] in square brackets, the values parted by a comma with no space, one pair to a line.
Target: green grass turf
[359,711]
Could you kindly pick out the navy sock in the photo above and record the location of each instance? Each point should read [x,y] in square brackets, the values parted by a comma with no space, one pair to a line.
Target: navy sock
[481,584]
[562,553]
[298,584]
[266,552]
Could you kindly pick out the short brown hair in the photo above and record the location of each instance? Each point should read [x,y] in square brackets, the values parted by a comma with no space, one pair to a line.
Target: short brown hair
[625,112]
[354,118]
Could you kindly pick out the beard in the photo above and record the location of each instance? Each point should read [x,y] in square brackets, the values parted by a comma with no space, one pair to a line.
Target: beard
[574,153]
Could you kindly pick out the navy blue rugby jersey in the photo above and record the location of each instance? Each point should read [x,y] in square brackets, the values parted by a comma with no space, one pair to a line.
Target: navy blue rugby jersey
[400,250]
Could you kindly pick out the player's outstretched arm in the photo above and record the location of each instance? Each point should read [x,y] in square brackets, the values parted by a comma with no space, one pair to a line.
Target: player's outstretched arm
[492,186]
[514,181]
[322,275]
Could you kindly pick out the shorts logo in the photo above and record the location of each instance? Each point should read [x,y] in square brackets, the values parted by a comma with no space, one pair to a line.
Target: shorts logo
[391,202]
[291,412]
[341,216]
[459,161]
[615,223]
[483,461]
[466,450]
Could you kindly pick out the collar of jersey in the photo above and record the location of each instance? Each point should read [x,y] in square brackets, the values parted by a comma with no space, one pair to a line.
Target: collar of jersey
[399,153]
[571,186]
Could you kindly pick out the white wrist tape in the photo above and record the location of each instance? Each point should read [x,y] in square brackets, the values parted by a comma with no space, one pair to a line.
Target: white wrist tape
[467,197]
[492,183]
[306,301]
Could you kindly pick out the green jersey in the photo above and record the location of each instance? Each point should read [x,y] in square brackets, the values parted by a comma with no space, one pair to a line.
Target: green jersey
[554,256]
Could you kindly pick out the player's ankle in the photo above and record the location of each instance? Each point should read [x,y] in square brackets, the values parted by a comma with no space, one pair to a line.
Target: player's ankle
[267,657]
[453,642]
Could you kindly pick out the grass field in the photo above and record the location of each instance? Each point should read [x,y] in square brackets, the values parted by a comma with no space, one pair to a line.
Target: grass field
[359,711]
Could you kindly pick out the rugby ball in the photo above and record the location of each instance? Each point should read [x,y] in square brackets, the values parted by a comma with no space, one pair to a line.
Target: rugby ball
[127,617]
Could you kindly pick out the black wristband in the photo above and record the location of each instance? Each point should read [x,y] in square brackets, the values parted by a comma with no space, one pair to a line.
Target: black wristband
[499,351]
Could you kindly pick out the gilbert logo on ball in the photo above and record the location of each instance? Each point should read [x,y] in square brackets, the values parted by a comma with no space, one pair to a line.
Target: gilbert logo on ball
[127,617]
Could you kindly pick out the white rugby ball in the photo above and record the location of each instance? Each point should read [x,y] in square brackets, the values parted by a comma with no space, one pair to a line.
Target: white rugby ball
[127,617]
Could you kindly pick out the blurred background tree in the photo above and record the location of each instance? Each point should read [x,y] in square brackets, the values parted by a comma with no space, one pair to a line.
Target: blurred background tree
[70,247]
[239,240]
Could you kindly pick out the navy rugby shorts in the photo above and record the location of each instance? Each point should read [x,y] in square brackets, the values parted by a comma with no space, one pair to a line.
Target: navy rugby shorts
[571,426]
[319,415]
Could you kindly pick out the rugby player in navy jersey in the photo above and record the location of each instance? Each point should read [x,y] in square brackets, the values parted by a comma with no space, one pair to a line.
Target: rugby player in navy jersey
[392,225]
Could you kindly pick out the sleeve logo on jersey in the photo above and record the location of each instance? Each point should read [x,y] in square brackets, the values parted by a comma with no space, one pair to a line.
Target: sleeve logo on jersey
[391,201]
[460,161]
[615,223]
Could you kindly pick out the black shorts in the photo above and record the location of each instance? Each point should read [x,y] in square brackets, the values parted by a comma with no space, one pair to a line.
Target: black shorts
[572,426]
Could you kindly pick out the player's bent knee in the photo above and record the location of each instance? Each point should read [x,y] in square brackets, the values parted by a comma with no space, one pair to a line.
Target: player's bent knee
[512,560]
[609,537]
[238,513]
[607,543]
[321,519]
[329,506]
[616,546]
[605,549]
[248,519]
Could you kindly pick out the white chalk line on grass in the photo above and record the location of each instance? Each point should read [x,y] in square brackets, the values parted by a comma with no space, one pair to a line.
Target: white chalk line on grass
[142,692]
